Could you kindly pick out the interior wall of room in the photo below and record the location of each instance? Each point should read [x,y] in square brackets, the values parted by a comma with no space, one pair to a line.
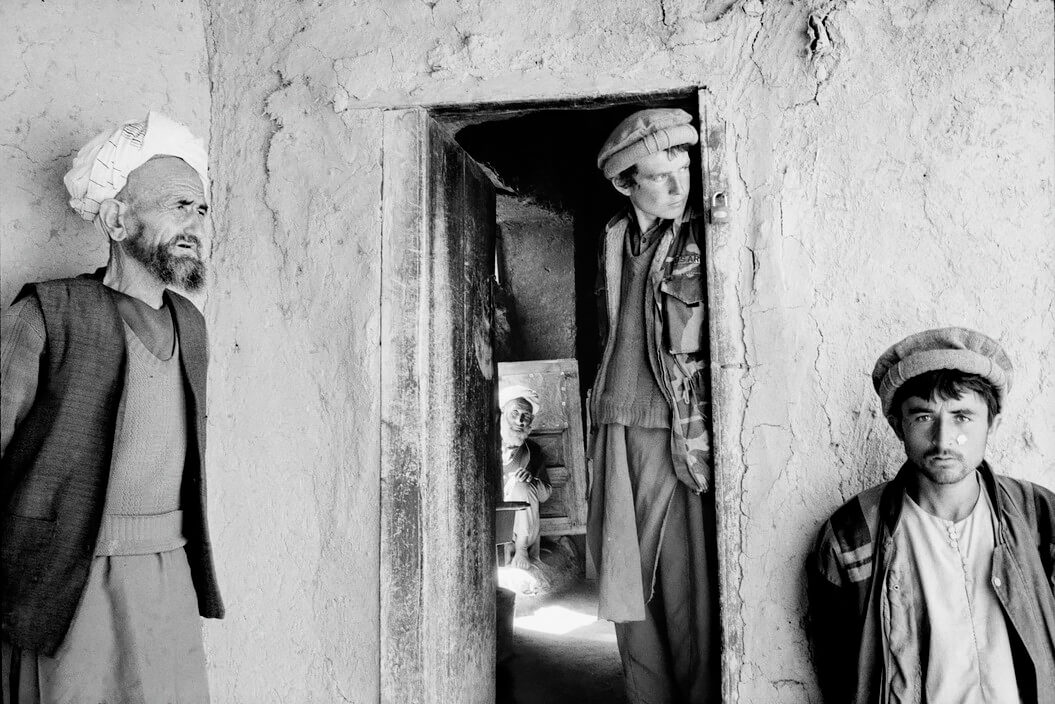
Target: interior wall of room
[891,169]
[539,249]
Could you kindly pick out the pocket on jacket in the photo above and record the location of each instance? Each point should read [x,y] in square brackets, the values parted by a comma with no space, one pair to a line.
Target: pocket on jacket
[684,314]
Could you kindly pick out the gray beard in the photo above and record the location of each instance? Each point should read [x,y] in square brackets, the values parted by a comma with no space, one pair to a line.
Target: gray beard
[513,438]
[171,269]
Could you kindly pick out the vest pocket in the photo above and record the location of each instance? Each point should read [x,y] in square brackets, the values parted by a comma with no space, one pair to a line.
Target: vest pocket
[683,312]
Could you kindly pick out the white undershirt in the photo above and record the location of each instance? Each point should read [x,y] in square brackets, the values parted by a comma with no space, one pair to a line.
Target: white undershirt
[968,657]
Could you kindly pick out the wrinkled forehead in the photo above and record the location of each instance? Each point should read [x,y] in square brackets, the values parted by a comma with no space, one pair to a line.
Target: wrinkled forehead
[517,404]
[163,176]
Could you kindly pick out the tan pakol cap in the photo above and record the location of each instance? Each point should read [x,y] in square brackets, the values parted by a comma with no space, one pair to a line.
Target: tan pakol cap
[944,348]
[643,133]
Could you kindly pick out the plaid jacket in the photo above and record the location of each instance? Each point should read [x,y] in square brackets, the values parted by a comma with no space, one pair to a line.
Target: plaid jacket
[860,658]
[676,330]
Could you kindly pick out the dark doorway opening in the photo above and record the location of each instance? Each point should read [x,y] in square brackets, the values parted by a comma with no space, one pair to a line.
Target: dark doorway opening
[552,204]
[553,201]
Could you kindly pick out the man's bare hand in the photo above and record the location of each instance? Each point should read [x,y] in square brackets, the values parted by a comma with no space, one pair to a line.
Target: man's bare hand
[524,476]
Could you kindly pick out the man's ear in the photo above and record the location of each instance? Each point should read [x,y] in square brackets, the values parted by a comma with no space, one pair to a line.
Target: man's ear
[995,423]
[625,190]
[112,217]
[895,423]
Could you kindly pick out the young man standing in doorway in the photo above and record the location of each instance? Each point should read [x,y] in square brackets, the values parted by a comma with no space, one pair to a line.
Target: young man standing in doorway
[937,585]
[651,518]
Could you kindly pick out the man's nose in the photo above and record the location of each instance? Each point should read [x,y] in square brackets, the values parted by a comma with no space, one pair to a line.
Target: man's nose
[677,185]
[944,433]
[196,225]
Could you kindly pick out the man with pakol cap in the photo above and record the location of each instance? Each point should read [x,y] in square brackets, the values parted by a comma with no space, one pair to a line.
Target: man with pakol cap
[524,476]
[937,585]
[106,564]
[651,514]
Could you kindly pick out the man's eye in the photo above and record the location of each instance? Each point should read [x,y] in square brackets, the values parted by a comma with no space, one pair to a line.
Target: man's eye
[923,418]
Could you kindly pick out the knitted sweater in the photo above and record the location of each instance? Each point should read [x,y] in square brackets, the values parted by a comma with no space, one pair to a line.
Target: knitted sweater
[141,514]
[631,395]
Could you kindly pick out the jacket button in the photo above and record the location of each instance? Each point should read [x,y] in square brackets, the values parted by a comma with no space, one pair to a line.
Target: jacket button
[996,582]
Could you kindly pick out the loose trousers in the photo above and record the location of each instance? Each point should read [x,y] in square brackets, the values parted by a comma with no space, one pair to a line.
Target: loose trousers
[527,524]
[672,655]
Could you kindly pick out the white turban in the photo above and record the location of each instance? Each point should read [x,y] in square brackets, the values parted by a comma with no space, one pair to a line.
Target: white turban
[514,391]
[101,167]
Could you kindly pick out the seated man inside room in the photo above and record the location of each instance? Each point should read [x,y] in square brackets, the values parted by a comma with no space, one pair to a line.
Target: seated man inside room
[524,477]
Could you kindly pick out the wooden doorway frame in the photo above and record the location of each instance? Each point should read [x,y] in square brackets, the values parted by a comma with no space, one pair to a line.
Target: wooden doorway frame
[437,559]
[403,640]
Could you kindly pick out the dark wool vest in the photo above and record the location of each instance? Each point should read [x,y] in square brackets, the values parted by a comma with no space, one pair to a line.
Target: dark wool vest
[55,471]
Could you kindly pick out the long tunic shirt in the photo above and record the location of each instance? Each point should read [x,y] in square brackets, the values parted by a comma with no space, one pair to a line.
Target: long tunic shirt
[968,649]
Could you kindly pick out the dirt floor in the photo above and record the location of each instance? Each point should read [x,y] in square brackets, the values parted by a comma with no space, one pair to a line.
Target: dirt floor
[561,652]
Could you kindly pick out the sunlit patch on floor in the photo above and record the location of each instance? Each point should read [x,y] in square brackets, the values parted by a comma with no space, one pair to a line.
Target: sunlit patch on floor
[527,582]
[556,620]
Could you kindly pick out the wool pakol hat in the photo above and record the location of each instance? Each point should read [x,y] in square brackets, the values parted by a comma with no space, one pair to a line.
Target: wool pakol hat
[643,133]
[961,349]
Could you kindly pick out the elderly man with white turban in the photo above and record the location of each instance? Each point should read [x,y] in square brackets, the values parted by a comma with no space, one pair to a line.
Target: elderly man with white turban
[105,563]
[524,476]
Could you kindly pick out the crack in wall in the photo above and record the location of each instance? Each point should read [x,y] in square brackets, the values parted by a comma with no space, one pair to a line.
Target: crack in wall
[265,186]
[744,279]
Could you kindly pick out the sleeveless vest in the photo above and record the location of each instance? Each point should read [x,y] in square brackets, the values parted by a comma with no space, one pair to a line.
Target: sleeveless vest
[55,471]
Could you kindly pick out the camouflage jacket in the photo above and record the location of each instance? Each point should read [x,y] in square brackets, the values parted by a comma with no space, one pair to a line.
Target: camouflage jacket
[676,330]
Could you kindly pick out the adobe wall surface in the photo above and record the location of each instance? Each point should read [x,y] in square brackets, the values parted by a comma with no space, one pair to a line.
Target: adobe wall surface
[66,75]
[892,170]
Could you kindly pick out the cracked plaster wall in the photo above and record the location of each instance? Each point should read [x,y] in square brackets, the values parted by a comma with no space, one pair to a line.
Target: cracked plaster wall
[892,170]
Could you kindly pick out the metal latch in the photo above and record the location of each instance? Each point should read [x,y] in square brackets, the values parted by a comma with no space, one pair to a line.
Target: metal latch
[719,207]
